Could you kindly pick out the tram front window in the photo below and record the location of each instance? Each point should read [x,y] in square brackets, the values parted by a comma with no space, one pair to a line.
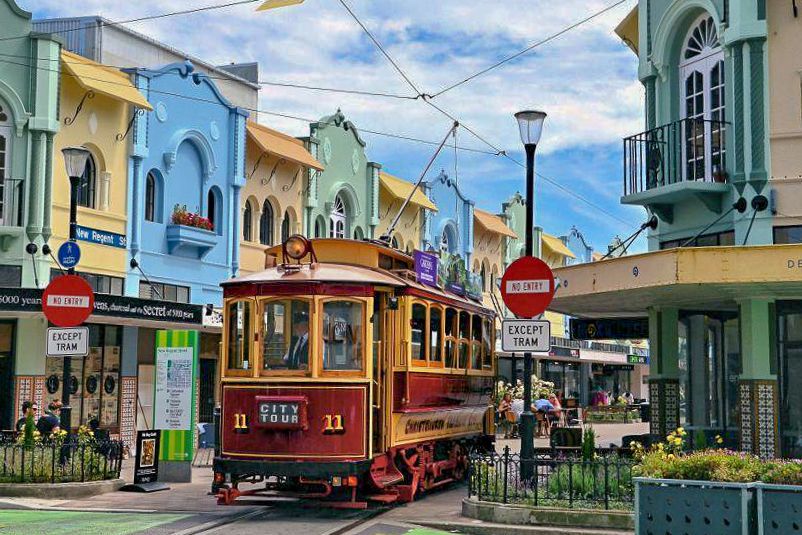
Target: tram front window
[285,335]
[342,335]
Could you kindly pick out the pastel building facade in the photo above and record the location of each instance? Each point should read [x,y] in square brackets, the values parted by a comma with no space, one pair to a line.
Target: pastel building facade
[450,229]
[408,232]
[342,201]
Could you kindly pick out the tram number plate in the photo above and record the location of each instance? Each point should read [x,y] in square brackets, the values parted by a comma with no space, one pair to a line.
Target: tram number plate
[282,413]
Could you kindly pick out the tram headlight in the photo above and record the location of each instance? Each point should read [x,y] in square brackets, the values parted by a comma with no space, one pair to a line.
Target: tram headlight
[296,247]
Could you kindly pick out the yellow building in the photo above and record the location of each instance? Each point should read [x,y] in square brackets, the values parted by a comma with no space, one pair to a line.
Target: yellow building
[490,234]
[393,191]
[96,107]
[556,254]
[272,199]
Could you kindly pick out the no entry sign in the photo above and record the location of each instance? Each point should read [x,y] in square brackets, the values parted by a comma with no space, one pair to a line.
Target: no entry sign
[68,301]
[527,287]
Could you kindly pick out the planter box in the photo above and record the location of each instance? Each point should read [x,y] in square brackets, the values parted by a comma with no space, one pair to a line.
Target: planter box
[190,241]
[694,507]
[779,509]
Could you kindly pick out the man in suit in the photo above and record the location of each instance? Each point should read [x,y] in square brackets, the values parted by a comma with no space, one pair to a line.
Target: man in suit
[298,353]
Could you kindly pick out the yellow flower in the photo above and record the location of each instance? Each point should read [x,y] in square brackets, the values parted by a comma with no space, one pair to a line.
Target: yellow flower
[671,456]
[719,440]
[678,441]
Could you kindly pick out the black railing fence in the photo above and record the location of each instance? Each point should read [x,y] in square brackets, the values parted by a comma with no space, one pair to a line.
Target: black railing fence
[685,150]
[562,480]
[56,462]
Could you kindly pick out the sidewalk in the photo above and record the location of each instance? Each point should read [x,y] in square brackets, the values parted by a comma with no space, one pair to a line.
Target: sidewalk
[606,434]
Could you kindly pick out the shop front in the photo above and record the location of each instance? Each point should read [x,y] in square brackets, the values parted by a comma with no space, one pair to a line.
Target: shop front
[104,386]
[724,334]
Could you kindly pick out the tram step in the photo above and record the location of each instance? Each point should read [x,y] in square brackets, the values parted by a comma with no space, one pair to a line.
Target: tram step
[389,479]
[383,498]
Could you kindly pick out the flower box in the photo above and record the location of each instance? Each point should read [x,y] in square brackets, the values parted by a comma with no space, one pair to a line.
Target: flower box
[694,507]
[190,241]
[779,509]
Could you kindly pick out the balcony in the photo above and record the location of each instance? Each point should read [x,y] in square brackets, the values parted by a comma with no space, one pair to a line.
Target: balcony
[190,241]
[11,205]
[670,163]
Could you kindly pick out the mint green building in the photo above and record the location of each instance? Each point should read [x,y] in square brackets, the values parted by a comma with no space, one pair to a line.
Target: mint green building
[343,200]
[29,81]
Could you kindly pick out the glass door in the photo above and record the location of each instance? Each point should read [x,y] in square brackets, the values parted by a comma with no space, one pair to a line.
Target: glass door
[7,416]
[789,334]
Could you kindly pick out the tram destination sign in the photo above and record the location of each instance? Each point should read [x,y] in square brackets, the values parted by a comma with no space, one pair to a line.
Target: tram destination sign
[281,412]
[527,336]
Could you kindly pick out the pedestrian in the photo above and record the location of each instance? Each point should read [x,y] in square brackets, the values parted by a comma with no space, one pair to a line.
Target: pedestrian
[26,406]
[50,422]
[505,407]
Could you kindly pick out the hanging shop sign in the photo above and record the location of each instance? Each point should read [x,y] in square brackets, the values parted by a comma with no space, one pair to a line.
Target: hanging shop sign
[610,329]
[68,301]
[425,268]
[527,287]
[638,359]
[101,237]
[30,300]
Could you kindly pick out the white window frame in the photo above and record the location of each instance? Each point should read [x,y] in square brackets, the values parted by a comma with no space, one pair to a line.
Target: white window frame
[338,220]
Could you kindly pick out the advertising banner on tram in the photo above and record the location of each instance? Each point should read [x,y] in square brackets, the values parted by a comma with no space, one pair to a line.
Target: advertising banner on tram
[416,426]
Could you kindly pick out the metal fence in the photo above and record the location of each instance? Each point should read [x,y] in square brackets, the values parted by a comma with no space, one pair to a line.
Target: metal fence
[54,462]
[555,480]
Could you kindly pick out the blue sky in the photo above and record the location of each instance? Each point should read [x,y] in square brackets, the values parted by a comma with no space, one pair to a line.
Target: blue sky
[586,80]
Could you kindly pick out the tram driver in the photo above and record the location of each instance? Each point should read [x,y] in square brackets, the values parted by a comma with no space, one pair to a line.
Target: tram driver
[297,356]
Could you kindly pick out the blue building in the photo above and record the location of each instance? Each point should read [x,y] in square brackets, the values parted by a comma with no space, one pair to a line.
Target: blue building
[450,229]
[187,168]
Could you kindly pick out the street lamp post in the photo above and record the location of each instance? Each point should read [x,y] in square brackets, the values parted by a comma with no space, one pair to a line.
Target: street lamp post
[75,159]
[530,124]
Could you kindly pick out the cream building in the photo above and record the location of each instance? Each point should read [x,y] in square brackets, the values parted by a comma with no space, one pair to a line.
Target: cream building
[393,191]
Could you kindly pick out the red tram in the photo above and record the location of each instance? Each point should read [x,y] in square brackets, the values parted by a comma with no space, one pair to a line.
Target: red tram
[345,380]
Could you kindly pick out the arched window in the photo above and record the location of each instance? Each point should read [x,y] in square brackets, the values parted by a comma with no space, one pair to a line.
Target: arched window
[87,184]
[5,166]
[211,208]
[285,227]
[320,228]
[266,224]
[702,105]
[483,274]
[339,219]
[444,245]
[247,222]
[150,197]
[394,242]
[358,234]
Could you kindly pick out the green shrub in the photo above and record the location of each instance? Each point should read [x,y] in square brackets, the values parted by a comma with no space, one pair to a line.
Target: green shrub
[586,480]
[588,443]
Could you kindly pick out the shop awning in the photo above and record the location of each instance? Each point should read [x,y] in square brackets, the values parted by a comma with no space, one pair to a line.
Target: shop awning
[699,278]
[103,80]
[627,30]
[282,145]
[400,189]
[557,246]
[493,223]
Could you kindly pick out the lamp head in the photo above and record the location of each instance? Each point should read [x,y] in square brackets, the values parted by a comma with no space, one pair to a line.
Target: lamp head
[75,160]
[296,247]
[530,123]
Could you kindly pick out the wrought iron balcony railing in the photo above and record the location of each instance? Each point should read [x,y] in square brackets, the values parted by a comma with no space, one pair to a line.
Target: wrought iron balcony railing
[11,196]
[685,150]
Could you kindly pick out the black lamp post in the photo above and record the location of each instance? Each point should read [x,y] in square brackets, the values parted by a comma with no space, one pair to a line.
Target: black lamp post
[75,162]
[530,124]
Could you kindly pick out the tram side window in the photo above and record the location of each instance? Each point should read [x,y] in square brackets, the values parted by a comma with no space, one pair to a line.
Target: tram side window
[476,342]
[239,335]
[487,344]
[418,324]
[450,342]
[435,335]
[342,335]
[464,335]
[285,335]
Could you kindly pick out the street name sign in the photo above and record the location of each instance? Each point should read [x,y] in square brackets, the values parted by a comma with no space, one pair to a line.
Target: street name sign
[68,301]
[527,287]
[70,342]
[528,336]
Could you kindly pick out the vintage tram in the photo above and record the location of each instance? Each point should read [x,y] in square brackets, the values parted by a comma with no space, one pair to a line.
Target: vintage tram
[346,380]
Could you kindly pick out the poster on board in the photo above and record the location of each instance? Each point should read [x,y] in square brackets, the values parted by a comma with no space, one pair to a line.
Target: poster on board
[176,374]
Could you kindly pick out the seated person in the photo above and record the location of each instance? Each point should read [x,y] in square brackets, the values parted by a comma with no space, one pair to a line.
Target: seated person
[545,407]
[297,357]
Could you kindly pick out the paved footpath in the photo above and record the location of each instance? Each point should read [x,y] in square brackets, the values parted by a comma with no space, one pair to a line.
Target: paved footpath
[188,509]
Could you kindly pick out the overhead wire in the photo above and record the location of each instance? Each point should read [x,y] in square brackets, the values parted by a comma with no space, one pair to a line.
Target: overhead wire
[530,48]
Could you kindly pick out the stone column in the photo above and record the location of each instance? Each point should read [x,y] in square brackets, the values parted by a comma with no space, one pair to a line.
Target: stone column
[758,396]
[664,372]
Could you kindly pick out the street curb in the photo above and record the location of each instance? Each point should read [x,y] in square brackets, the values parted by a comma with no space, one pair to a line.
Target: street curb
[484,528]
[522,515]
[59,491]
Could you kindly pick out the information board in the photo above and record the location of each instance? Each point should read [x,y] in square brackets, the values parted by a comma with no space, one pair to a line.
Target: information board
[176,373]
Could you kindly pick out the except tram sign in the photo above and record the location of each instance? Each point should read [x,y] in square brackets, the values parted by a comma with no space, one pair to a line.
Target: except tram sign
[529,336]
[527,287]
[68,301]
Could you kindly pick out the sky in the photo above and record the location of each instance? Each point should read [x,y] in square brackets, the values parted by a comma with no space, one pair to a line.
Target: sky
[586,80]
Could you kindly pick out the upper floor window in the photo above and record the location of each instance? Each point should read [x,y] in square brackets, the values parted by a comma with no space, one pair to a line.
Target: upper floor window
[266,224]
[247,222]
[703,38]
[339,219]
[87,184]
[286,225]
[150,197]
[788,234]
[5,164]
